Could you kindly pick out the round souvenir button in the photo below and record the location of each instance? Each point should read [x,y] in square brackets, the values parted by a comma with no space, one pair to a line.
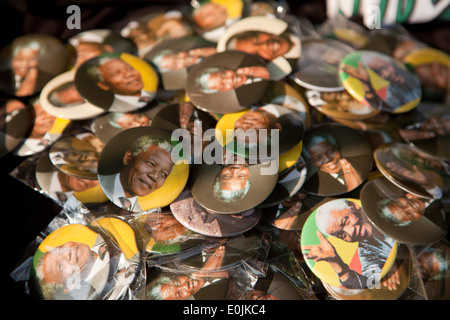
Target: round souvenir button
[32,61]
[15,123]
[169,285]
[197,218]
[413,170]
[227,82]
[139,169]
[60,186]
[155,27]
[432,68]
[343,249]
[289,183]
[212,18]
[338,159]
[380,81]
[45,130]
[292,213]
[91,43]
[317,68]
[391,287]
[267,37]
[107,126]
[117,82]
[340,104]
[241,133]
[77,155]
[429,130]
[401,215]
[164,234]
[61,99]
[233,187]
[81,278]
[173,58]
[287,94]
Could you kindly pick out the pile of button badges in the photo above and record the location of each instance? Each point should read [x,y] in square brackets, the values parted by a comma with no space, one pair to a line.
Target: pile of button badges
[355,185]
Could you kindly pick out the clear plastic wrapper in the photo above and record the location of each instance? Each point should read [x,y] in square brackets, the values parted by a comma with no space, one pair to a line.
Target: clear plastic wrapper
[79,257]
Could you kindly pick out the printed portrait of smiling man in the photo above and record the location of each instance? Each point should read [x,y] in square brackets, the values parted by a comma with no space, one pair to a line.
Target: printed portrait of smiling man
[147,164]
[110,73]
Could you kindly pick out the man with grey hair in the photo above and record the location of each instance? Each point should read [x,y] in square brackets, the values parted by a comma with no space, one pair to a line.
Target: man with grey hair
[147,164]
[343,219]
[27,78]
[402,211]
[110,73]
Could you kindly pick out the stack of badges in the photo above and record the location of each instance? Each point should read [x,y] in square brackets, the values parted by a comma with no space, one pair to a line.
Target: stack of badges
[200,144]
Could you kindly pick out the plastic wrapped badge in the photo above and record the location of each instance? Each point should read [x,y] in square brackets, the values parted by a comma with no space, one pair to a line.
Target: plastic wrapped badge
[170,285]
[77,155]
[402,215]
[413,170]
[269,38]
[31,61]
[338,159]
[248,250]
[15,123]
[227,82]
[173,59]
[138,154]
[342,248]
[126,257]
[59,186]
[117,82]
[380,81]
[317,68]
[163,234]
[195,217]
[71,263]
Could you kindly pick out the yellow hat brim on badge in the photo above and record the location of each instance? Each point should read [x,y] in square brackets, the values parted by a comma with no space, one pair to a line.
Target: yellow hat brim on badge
[170,190]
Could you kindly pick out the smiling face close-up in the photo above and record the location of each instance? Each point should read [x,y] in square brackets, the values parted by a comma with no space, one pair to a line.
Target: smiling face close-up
[408,208]
[120,78]
[266,45]
[65,261]
[24,61]
[183,287]
[234,177]
[145,172]
[325,156]
[348,226]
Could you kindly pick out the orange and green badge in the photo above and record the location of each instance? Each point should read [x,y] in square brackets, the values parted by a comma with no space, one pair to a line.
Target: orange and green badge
[380,81]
